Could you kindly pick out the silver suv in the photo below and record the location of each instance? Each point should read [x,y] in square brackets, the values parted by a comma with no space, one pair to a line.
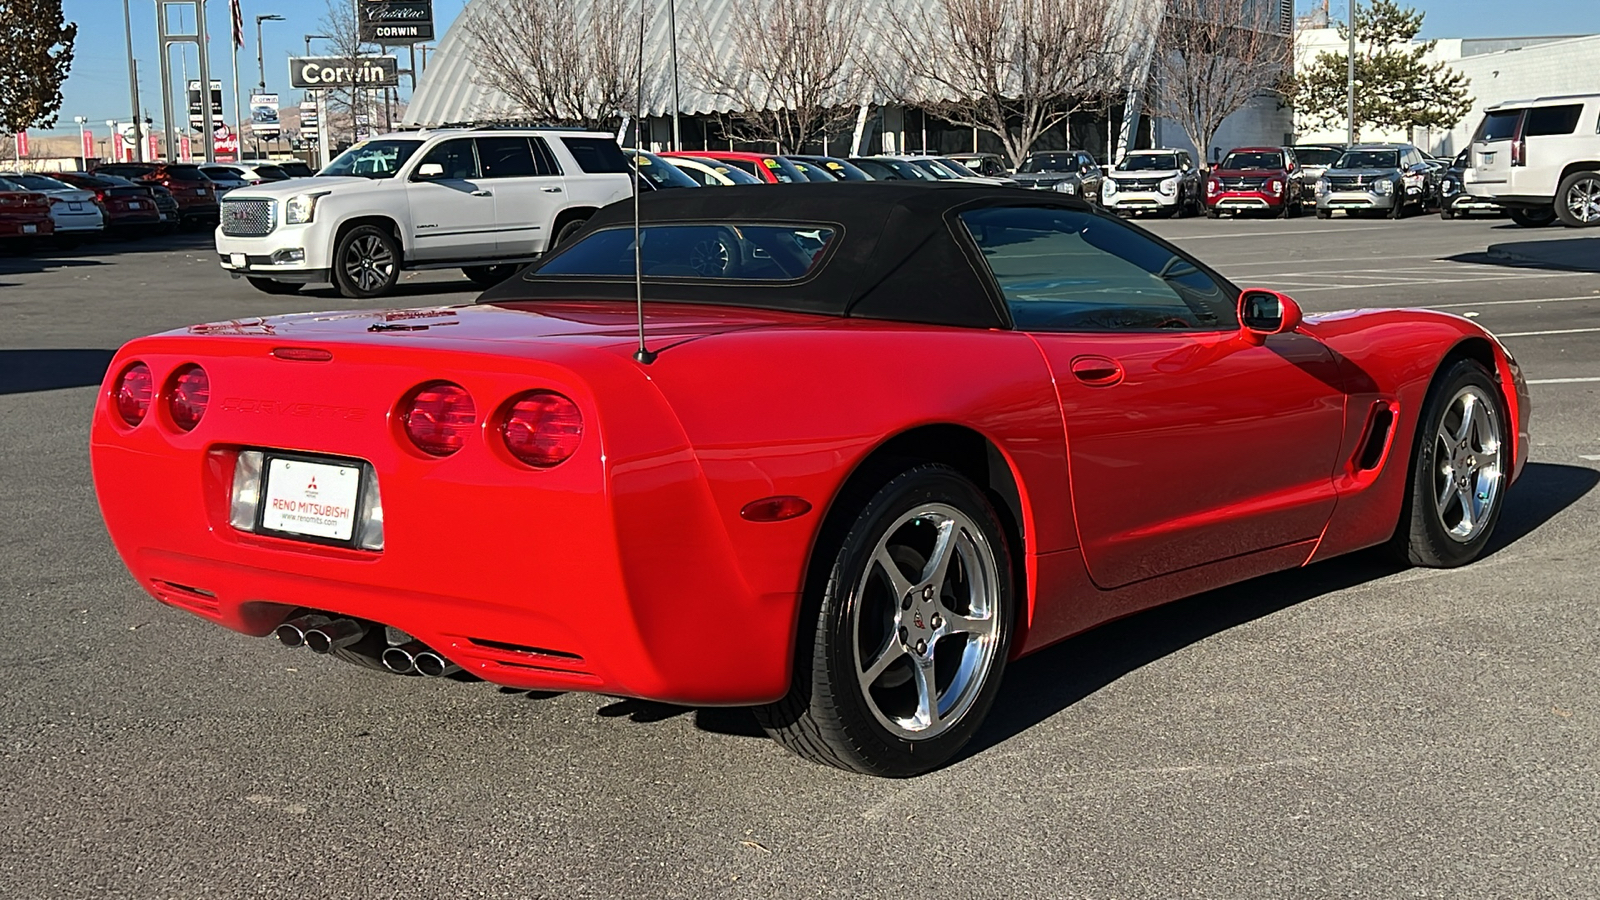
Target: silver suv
[1541,158]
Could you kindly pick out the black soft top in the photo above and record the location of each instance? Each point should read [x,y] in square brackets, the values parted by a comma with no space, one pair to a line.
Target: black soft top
[899,254]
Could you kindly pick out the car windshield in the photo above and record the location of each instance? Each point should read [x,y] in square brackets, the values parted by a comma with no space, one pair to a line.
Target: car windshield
[40,183]
[372,159]
[1252,160]
[296,169]
[1050,162]
[956,167]
[714,251]
[1317,156]
[1161,162]
[812,171]
[934,169]
[660,173]
[271,173]
[727,170]
[1369,159]
[840,169]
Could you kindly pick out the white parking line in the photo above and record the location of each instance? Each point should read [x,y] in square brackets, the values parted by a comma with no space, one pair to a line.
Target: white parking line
[1259,234]
[1510,302]
[1322,262]
[1522,276]
[1510,334]
[1566,381]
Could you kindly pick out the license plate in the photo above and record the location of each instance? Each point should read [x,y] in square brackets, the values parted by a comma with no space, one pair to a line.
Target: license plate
[201,192]
[134,205]
[30,229]
[1488,159]
[238,260]
[74,206]
[311,499]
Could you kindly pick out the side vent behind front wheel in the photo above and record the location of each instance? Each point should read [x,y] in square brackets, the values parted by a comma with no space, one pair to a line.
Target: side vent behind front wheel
[1380,423]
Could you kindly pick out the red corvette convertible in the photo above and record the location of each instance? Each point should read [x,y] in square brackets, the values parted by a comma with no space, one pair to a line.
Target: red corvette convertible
[882,439]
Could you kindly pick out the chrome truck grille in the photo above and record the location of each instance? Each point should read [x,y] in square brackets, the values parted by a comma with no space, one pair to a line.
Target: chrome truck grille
[247,218]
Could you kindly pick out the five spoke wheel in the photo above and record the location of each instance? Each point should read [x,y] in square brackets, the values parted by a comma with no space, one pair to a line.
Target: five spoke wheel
[1467,483]
[925,620]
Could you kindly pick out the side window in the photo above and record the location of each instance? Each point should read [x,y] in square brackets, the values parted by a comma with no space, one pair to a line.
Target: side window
[457,157]
[506,157]
[1500,125]
[543,158]
[598,155]
[744,164]
[1065,271]
[1552,120]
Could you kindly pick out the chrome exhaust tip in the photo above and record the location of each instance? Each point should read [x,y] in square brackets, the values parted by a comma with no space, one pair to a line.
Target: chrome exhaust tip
[335,635]
[293,632]
[402,660]
[433,665]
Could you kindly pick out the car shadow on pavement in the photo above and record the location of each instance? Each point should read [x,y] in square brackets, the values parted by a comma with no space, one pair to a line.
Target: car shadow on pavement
[1045,683]
[404,289]
[26,371]
[1560,254]
[33,265]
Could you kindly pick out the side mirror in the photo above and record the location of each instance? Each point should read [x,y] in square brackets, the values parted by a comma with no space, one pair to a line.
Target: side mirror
[429,172]
[1263,313]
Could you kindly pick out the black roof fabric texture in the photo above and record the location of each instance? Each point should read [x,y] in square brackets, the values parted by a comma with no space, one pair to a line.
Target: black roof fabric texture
[901,254]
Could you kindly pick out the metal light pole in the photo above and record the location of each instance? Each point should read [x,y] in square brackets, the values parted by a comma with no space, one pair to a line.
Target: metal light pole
[81,142]
[324,144]
[261,66]
[672,27]
[1351,85]
[133,82]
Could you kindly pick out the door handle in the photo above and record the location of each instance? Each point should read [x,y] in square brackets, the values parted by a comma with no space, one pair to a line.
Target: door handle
[1097,371]
[552,190]
[483,193]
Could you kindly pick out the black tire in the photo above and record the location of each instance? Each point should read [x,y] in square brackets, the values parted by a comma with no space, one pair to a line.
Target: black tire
[1211,213]
[567,231]
[489,276]
[1324,213]
[1398,210]
[366,263]
[1446,214]
[268,286]
[1421,537]
[1538,217]
[828,716]
[1581,190]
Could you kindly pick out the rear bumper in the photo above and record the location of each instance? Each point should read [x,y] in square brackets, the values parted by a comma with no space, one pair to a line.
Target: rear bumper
[584,577]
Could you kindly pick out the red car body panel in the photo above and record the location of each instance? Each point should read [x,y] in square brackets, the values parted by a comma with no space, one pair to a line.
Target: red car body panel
[629,569]
[25,214]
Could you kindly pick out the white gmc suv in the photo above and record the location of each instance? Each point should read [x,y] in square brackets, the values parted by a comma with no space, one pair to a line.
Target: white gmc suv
[484,200]
[1541,159]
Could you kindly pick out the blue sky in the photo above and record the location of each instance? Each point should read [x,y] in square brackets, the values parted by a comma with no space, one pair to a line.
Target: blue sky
[98,85]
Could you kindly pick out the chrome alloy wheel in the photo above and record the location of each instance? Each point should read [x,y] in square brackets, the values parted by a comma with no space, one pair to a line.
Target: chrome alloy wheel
[1583,200]
[926,621]
[368,263]
[1469,476]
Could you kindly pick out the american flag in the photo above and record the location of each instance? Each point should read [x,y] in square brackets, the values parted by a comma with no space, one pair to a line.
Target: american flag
[238,23]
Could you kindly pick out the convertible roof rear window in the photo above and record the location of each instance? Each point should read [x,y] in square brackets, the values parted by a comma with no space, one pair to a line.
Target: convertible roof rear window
[720,251]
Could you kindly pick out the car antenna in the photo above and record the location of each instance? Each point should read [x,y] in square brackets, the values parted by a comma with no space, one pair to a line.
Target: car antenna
[644,354]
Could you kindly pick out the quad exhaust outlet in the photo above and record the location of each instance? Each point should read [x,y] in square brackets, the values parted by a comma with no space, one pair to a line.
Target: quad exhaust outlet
[325,634]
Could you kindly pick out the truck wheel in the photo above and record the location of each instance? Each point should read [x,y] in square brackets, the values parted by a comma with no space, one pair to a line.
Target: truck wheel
[1324,213]
[1538,217]
[1578,200]
[1213,214]
[268,286]
[366,263]
[1398,210]
[910,626]
[567,231]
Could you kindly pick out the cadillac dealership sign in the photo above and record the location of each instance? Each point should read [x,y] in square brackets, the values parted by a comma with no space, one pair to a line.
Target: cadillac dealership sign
[396,21]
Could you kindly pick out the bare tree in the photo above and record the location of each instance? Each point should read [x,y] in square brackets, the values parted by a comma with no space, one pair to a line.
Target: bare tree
[790,70]
[1213,58]
[341,28]
[560,61]
[1012,68]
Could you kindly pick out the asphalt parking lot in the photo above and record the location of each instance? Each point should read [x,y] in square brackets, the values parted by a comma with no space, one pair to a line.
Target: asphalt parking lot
[1348,730]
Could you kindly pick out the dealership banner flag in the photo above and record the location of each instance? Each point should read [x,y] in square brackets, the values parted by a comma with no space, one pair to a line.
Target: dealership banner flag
[88,145]
[22,143]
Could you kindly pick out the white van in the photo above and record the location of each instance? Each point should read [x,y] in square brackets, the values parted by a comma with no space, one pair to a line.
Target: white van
[1541,159]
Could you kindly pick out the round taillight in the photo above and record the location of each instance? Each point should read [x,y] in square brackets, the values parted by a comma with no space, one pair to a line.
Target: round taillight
[542,429]
[134,389]
[186,401]
[439,417]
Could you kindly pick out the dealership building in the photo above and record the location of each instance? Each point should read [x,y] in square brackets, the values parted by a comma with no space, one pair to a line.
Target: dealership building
[452,90]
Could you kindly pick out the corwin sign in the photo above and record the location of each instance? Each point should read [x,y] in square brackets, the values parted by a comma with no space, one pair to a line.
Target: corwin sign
[334,72]
[396,21]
